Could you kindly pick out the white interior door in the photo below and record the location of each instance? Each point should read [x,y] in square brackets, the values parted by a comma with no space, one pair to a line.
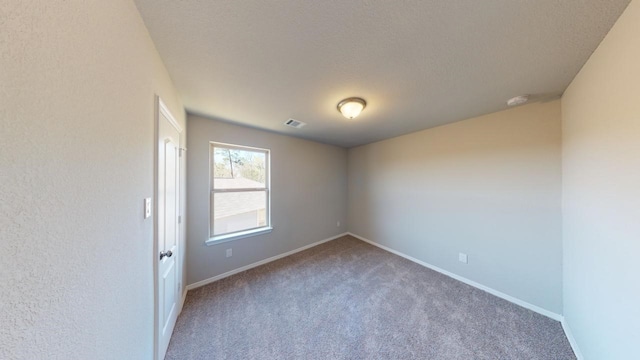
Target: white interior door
[167,230]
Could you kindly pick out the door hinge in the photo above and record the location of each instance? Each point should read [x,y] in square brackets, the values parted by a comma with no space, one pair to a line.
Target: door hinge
[179,219]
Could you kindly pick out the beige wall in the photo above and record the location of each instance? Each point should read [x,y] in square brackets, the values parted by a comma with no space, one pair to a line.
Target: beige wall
[78,80]
[601,192]
[488,187]
[308,196]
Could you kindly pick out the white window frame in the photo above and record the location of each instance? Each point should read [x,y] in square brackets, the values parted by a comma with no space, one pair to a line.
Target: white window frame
[216,239]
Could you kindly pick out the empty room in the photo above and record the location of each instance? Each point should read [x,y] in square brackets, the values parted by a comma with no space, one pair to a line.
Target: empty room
[357,179]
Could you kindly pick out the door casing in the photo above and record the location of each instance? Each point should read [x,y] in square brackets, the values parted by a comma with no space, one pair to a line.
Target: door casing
[162,112]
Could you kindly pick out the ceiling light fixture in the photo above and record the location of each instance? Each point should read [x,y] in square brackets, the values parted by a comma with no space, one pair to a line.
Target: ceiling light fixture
[518,100]
[351,107]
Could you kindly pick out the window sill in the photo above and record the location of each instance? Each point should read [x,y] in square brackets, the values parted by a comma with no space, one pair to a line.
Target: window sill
[235,236]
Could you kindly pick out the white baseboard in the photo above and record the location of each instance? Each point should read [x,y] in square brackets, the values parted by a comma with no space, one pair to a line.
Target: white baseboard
[261,262]
[184,297]
[572,340]
[491,291]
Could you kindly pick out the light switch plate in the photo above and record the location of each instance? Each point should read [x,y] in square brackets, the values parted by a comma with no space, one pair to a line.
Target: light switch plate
[147,208]
[463,258]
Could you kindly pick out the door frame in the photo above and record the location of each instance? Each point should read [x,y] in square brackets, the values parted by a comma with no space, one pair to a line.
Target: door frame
[162,109]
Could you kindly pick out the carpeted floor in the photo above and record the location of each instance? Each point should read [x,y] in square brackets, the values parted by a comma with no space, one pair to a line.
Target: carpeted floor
[346,299]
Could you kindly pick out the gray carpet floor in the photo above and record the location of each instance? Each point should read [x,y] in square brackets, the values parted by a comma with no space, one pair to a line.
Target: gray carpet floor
[346,299]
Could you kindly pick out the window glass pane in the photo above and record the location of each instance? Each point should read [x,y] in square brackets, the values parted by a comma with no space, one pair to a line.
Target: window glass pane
[237,211]
[234,169]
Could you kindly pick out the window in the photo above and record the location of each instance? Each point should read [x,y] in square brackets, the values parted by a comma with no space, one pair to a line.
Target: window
[239,192]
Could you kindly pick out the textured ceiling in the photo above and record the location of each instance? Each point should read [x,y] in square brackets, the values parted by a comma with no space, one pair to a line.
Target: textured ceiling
[418,64]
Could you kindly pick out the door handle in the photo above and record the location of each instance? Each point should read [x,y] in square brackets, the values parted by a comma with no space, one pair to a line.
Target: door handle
[164,254]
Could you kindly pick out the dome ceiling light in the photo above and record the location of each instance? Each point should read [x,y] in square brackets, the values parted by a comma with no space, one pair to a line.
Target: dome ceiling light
[351,107]
[518,100]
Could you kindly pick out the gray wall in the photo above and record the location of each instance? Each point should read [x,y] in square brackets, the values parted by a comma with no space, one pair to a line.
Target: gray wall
[78,80]
[308,196]
[601,191]
[488,187]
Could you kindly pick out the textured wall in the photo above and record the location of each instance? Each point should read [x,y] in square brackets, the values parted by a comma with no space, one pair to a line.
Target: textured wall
[78,80]
[488,187]
[601,189]
[308,196]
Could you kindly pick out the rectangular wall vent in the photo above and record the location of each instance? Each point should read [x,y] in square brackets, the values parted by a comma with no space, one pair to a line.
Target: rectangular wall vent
[294,123]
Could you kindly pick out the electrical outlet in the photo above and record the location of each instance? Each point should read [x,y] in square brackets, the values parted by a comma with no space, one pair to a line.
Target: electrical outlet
[463,258]
[338,223]
[229,252]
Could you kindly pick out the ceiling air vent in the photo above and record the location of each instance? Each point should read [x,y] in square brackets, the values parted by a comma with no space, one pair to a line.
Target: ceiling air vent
[294,123]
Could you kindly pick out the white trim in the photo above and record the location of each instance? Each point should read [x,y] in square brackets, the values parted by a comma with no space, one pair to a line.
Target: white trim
[164,110]
[238,235]
[572,340]
[239,147]
[182,300]
[491,291]
[261,262]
